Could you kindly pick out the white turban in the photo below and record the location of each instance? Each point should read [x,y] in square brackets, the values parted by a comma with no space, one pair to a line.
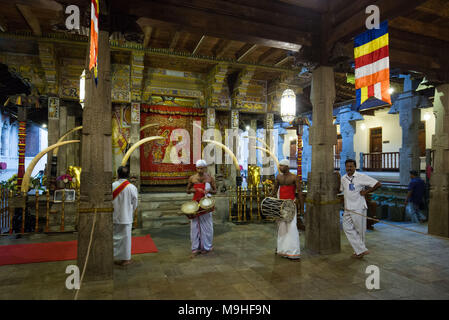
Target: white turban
[201,163]
[284,162]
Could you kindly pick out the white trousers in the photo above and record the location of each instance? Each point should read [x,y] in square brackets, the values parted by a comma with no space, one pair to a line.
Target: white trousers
[288,239]
[122,241]
[354,227]
[202,232]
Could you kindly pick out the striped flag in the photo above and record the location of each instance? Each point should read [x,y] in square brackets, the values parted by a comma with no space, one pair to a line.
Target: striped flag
[372,65]
[94,31]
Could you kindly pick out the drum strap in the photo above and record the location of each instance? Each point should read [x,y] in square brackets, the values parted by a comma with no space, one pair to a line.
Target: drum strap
[201,212]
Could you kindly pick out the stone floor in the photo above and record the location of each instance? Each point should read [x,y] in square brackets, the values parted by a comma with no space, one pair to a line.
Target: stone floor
[244,266]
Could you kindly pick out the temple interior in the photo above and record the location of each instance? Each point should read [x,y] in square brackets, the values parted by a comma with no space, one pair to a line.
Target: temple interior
[242,84]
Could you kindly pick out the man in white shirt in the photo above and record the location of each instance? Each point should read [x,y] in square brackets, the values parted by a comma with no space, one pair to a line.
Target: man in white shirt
[354,225]
[125,200]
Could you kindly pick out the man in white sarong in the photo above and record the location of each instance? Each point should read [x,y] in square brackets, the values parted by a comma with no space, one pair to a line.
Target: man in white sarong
[201,224]
[288,245]
[125,200]
[354,225]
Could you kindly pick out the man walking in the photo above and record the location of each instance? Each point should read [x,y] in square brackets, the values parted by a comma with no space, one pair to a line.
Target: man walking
[353,185]
[414,201]
[124,200]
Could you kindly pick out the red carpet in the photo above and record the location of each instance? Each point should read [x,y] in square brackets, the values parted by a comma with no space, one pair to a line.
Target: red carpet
[60,251]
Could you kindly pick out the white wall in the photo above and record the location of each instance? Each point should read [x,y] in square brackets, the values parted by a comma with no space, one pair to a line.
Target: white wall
[430,125]
[391,131]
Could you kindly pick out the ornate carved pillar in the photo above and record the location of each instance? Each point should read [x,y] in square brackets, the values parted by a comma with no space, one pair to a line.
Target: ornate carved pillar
[232,141]
[409,118]
[306,152]
[210,125]
[323,223]
[439,182]
[53,136]
[346,118]
[137,68]
[96,176]
[268,163]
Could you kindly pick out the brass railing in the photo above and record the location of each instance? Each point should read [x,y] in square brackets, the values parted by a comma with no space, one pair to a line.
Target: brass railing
[245,203]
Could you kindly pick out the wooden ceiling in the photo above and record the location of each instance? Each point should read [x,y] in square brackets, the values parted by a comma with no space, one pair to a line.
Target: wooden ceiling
[282,33]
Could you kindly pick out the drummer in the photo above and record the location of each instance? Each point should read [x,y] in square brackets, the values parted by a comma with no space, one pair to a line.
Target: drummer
[201,224]
[289,188]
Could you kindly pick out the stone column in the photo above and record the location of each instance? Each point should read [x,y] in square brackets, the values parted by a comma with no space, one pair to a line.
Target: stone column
[210,124]
[53,136]
[409,119]
[322,217]
[96,176]
[62,152]
[306,152]
[134,137]
[346,118]
[71,148]
[268,164]
[235,120]
[252,143]
[137,68]
[439,182]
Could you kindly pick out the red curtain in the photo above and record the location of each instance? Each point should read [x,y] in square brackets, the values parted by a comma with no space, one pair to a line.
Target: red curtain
[155,164]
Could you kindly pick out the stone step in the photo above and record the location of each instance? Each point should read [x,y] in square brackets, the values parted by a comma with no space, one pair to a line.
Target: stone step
[160,206]
[164,197]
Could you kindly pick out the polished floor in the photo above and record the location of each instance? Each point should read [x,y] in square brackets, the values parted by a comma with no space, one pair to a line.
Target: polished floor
[243,266]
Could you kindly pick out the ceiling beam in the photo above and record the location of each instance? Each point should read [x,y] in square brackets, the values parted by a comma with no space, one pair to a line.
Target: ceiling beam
[356,23]
[220,25]
[30,18]
[198,45]
[268,54]
[282,61]
[3,24]
[438,8]
[174,40]
[224,46]
[147,30]
[421,28]
[317,5]
[245,51]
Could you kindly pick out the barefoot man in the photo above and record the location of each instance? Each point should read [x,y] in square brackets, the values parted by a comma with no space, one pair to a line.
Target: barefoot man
[201,224]
[288,236]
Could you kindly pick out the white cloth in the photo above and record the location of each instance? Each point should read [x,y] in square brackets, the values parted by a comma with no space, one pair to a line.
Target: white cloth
[288,239]
[284,162]
[125,203]
[201,163]
[122,241]
[207,188]
[353,199]
[354,225]
[202,232]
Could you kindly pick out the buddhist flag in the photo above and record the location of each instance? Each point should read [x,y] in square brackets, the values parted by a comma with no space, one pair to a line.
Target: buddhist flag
[94,31]
[372,65]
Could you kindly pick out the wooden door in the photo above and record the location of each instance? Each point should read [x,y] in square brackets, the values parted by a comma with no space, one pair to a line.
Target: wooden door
[375,148]
[422,139]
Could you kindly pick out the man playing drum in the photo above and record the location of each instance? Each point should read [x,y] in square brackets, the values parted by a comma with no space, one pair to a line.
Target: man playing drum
[201,224]
[289,188]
